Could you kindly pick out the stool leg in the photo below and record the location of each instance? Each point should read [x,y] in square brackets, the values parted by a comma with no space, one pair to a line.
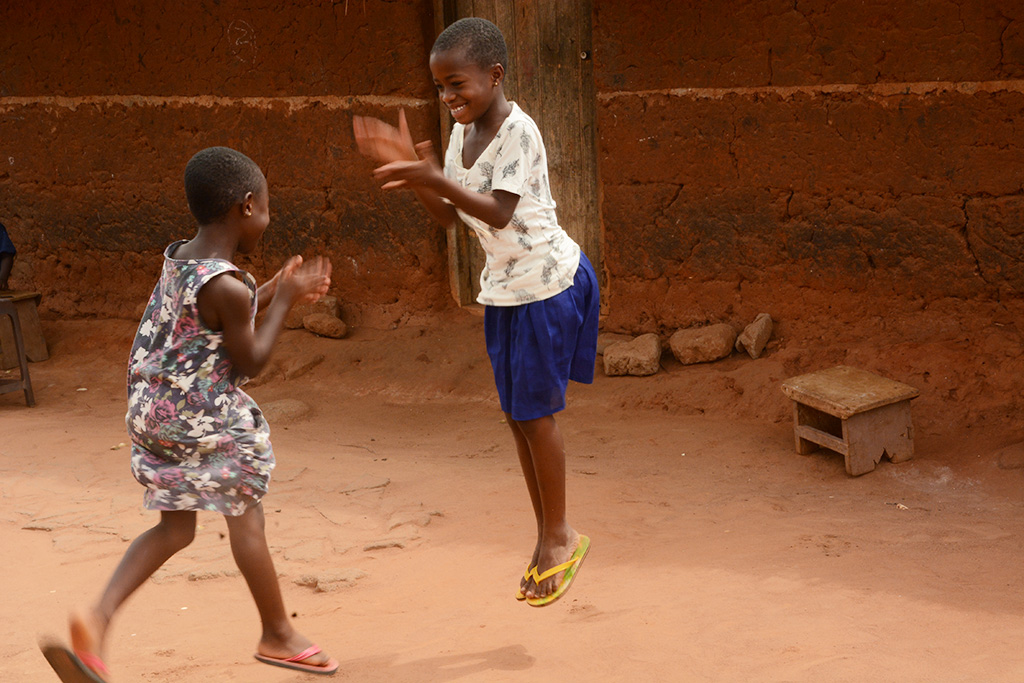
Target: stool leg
[864,448]
[882,431]
[901,443]
[19,343]
[811,417]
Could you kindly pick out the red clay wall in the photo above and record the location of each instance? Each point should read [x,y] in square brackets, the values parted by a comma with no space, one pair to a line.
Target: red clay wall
[102,106]
[754,155]
[769,155]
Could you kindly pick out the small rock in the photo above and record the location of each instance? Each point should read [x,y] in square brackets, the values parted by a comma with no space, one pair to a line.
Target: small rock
[639,357]
[702,344]
[325,325]
[606,339]
[755,335]
[328,304]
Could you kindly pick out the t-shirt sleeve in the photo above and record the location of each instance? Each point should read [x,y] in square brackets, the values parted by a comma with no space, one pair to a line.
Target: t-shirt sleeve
[514,159]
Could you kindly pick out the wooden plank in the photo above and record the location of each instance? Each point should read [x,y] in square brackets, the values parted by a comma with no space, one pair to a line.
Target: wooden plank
[844,391]
[821,438]
[460,281]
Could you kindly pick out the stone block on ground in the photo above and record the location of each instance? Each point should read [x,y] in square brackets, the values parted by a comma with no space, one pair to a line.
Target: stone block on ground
[325,325]
[606,339]
[639,357]
[755,336]
[702,344]
[328,305]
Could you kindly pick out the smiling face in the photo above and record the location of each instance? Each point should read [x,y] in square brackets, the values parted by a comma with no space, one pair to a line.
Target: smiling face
[467,89]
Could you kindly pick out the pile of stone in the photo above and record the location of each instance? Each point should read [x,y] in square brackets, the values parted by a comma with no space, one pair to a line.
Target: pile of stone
[641,355]
[322,318]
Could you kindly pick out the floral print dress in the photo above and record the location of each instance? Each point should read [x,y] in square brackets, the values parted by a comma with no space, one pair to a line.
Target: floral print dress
[198,441]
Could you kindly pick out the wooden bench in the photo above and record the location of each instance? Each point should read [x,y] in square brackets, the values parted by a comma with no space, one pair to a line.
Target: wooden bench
[854,412]
[28,314]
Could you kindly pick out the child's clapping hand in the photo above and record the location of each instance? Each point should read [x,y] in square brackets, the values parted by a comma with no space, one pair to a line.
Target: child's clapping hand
[303,281]
[404,164]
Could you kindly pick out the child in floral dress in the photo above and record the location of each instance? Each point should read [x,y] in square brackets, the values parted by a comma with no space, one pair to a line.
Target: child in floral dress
[198,441]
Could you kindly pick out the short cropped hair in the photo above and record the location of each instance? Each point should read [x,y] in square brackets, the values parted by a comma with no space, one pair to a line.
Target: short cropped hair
[216,179]
[482,40]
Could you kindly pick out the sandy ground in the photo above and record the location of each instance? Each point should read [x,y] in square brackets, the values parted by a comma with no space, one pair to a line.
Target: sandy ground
[400,524]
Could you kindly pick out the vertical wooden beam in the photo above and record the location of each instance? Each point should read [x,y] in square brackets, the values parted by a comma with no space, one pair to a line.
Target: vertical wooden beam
[460,269]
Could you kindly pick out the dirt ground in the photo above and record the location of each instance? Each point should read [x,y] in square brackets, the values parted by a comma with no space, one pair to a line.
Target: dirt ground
[400,524]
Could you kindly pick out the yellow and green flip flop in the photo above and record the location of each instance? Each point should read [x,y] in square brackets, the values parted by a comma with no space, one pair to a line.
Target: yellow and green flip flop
[571,568]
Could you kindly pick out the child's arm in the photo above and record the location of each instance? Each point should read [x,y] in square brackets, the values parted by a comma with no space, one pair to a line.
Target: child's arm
[416,167]
[224,305]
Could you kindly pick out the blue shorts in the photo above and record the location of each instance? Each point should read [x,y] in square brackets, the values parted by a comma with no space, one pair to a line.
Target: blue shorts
[537,348]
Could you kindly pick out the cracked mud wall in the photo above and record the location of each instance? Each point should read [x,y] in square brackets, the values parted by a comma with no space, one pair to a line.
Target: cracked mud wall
[102,107]
[774,156]
[757,155]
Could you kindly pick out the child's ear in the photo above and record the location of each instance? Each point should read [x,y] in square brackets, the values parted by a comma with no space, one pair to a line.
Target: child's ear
[247,204]
[497,74]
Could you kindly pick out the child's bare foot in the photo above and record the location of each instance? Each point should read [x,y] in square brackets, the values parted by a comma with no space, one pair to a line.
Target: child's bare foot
[88,630]
[295,652]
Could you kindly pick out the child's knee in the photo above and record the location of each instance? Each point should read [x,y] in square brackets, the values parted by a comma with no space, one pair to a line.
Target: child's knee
[179,533]
[535,427]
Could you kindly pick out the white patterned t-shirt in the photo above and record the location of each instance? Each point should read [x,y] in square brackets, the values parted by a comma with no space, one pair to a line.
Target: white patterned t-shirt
[532,258]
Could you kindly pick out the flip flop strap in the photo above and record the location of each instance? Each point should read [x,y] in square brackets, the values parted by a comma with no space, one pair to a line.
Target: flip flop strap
[554,570]
[305,654]
[92,661]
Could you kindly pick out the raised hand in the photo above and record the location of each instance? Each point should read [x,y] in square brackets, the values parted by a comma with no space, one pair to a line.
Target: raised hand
[383,142]
[304,281]
[405,173]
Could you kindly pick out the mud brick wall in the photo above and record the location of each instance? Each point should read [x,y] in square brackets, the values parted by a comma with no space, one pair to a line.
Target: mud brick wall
[843,156]
[101,107]
[781,156]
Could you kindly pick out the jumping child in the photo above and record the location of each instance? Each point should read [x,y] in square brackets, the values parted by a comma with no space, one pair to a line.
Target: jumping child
[539,289]
[198,441]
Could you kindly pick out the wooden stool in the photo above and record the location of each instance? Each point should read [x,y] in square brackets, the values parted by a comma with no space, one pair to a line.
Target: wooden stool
[32,333]
[7,308]
[853,412]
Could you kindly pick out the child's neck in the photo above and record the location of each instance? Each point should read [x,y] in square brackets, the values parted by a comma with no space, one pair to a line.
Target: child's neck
[211,241]
[490,121]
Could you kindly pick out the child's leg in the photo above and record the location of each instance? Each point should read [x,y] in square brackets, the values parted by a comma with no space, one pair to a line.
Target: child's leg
[144,556]
[530,475]
[249,547]
[557,538]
